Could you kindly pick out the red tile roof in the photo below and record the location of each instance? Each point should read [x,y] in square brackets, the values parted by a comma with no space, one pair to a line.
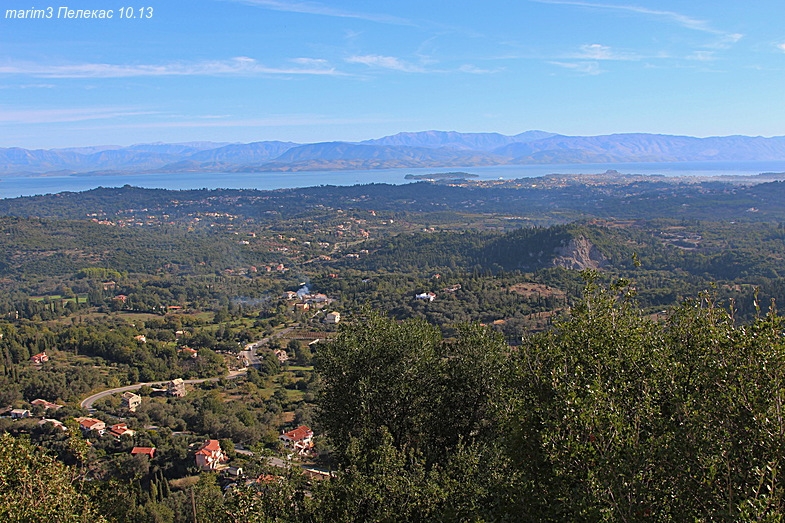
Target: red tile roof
[300,433]
[89,423]
[210,446]
[147,451]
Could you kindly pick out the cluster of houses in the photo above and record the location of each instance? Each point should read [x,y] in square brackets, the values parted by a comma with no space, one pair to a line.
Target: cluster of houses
[96,426]
[21,413]
[430,296]
[307,301]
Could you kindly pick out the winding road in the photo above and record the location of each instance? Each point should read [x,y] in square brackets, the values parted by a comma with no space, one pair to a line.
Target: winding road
[87,403]
[248,355]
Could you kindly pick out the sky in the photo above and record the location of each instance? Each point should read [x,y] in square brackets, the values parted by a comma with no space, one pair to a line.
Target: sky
[311,71]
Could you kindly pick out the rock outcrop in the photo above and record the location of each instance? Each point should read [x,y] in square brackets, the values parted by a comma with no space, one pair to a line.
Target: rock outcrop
[579,254]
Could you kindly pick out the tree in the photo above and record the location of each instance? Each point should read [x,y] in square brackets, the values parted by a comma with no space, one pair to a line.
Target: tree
[617,417]
[378,373]
[430,394]
[36,487]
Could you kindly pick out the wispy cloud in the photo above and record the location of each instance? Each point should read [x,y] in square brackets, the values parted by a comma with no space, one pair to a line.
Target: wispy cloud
[670,16]
[315,8]
[275,121]
[587,68]
[42,116]
[386,62]
[781,47]
[239,66]
[392,63]
[702,56]
[473,69]
[602,52]
[29,86]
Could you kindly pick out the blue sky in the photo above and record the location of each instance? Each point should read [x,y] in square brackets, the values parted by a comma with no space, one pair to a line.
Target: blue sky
[303,71]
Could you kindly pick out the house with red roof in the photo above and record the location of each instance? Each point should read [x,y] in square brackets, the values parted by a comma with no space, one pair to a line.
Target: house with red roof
[55,423]
[39,358]
[145,451]
[210,456]
[121,429]
[45,404]
[91,424]
[300,439]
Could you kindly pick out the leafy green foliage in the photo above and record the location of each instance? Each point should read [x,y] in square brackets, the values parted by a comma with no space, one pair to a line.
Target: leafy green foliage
[35,487]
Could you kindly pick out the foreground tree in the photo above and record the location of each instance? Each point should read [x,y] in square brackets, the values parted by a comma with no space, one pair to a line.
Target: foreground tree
[428,393]
[35,487]
[621,418]
[415,421]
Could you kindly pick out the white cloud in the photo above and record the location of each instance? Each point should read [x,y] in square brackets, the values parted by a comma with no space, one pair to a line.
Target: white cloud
[588,68]
[702,56]
[39,116]
[29,86]
[473,69]
[781,47]
[597,52]
[311,62]
[239,66]
[315,8]
[672,16]
[385,62]
[602,52]
[276,121]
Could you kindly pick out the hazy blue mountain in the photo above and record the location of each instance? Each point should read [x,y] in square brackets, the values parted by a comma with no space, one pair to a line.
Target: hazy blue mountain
[14,159]
[645,148]
[176,148]
[420,149]
[455,140]
[351,151]
[244,153]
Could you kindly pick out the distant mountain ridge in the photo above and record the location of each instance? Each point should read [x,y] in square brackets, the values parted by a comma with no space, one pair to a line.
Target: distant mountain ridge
[411,150]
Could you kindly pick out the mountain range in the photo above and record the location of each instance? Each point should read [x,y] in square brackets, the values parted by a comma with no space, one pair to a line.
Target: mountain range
[404,150]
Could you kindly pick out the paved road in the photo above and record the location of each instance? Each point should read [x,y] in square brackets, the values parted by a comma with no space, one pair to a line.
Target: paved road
[87,403]
[249,355]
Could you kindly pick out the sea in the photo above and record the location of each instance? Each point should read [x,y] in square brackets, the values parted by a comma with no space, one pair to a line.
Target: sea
[12,186]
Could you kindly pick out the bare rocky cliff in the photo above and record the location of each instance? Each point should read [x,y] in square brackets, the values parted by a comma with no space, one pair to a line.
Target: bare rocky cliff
[579,254]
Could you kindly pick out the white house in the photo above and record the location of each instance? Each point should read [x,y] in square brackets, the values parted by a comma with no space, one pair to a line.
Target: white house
[429,296]
[299,439]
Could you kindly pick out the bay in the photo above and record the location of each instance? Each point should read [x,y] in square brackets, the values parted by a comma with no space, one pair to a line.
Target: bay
[30,185]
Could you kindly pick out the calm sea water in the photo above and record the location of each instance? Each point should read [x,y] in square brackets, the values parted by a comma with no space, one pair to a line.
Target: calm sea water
[14,186]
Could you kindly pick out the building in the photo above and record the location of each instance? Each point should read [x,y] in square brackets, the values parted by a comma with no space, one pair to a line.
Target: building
[210,456]
[145,451]
[45,404]
[121,429]
[176,388]
[39,358]
[20,413]
[300,439]
[332,317]
[55,423]
[91,424]
[236,472]
[131,401]
[188,351]
[427,296]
